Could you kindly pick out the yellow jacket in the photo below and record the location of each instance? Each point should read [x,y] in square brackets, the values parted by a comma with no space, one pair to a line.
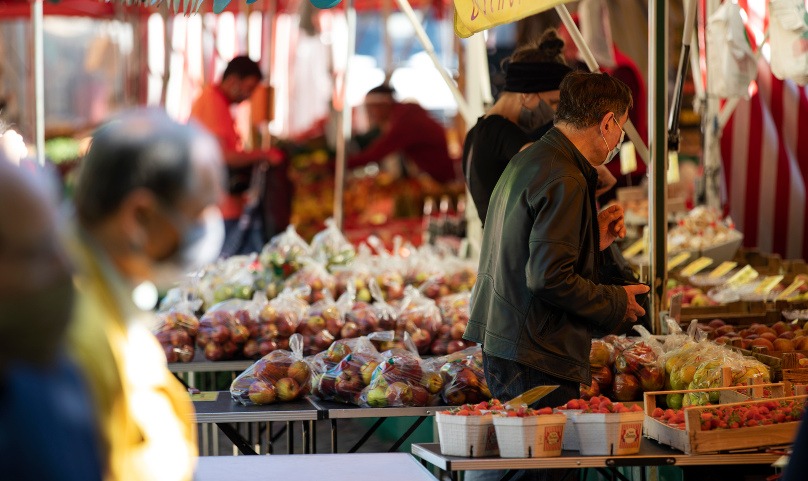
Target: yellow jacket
[144,413]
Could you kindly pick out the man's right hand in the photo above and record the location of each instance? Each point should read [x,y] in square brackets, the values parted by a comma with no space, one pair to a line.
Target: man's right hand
[633,309]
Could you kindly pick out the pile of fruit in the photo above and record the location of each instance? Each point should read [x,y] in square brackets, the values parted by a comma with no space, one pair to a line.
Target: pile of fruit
[479,409]
[255,303]
[735,417]
[779,337]
[598,404]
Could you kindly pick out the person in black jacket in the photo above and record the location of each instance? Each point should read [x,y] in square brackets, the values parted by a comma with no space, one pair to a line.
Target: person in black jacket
[538,301]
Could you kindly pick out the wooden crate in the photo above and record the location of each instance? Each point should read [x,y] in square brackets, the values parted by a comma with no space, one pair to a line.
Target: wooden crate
[692,440]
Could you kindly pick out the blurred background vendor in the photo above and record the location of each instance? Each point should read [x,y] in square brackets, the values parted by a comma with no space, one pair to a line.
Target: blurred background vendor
[240,79]
[408,130]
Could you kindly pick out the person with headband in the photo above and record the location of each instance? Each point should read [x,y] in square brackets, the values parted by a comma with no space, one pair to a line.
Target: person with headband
[407,129]
[521,115]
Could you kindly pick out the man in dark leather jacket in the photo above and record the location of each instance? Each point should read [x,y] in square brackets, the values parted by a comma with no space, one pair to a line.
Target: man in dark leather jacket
[537,301]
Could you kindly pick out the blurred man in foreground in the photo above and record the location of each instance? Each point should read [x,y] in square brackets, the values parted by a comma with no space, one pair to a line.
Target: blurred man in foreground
[47,430]
[145,203]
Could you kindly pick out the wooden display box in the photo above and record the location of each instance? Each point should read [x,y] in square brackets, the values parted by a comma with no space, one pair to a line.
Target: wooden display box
[692,440]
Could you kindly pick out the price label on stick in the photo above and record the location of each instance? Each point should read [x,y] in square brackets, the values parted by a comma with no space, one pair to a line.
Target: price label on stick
[628,158]
[767,284]
[791,289]
[678,260]
[722,270]
[635,249]
[743,276]
[696,266]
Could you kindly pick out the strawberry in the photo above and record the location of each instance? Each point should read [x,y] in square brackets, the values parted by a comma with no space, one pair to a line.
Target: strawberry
[545,410]
[657,413]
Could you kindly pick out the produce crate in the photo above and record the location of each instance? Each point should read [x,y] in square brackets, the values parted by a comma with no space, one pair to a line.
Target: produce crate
[611,434]
[738,309]
[472,436]
[692,440]
[531,436]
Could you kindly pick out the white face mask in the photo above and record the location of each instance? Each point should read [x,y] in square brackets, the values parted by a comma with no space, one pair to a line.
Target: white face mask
[200,245]
[613,152]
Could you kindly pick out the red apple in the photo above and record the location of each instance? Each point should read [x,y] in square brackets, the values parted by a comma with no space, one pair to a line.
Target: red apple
[262,392]
[287,389]
[420,396]
[399,394]
[454,346]
[350,330]
[300,372]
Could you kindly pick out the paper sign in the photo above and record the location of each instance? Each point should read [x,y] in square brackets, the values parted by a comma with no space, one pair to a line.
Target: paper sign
[722,269]
[628,158]
[673,167]
[696,266]
[472,16]
[205,396]
[791,289]
[743,276]
[768,284]
[678,260]
[635,249]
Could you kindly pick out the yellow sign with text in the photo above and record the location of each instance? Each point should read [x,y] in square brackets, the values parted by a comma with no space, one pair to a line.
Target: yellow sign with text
[472,16]
[696,266]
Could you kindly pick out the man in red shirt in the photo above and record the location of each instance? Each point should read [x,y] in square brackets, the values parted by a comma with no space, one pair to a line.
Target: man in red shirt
[212,110]
[409,130]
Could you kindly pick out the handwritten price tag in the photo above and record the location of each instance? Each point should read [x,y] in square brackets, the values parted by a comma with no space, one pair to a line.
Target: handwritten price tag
[767,284]
[678,260]
[696,266]
[743,276]
[722,270]
[635,249]
[791,289]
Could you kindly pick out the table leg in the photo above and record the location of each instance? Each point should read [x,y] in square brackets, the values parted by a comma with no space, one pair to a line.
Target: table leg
[234,436]
[367,435]
[333,436]
[269,437]
[509,474]
[290,437]
[313,431]
[407,434]
[306,440]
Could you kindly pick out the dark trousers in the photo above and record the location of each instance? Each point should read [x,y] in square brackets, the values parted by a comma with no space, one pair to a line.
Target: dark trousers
[507,379]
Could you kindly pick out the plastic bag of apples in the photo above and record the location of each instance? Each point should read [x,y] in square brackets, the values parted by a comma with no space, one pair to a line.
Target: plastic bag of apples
[283,252]
[276,321]
[324,322]
[419,316]
[464,378]
[225,329]
[332,246]
[402,379]
[454,310]
[177,328]
[316,277]
[344,370]
[280,376]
